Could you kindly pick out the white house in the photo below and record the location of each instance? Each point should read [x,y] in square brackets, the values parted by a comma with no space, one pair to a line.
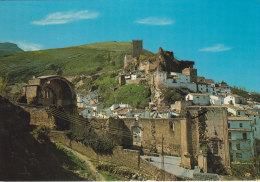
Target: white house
[241,141]
[142,113]
[198,99]
[217,99]
[84,100]
[223,89]
[234,99]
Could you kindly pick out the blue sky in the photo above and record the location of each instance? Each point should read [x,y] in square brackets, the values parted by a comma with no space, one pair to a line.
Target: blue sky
[222,37]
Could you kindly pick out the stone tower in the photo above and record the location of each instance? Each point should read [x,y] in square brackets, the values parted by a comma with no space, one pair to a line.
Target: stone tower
[137,48]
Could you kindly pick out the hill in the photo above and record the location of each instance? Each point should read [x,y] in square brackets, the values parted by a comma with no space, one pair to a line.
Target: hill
[27,153]
[85,59]
[9,48]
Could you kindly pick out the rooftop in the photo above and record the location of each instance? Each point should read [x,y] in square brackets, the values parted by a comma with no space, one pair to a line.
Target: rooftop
[234,107]
[238,118]
[243,130]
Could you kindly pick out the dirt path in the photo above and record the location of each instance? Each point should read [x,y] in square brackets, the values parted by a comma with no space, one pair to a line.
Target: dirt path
[84,158]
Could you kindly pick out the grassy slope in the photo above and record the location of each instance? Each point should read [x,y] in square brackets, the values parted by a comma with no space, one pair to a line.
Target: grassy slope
[85,59]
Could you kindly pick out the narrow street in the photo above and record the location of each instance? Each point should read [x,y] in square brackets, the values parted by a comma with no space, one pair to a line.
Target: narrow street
[171,165]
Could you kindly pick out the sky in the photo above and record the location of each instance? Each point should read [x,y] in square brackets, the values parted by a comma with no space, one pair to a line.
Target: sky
[222,37]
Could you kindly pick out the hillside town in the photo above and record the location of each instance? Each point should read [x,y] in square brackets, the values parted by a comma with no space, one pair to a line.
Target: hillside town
[243,116]
[197,135]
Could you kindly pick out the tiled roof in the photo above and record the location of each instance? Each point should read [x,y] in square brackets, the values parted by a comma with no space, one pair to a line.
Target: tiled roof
[252,113]
[198,94]
[245,130]
[234,107]
[238,118]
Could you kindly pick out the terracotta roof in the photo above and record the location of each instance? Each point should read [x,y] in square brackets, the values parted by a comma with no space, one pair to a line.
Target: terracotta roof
[138,111]
[252,113]
[234,107]
[198,94]
[163,109]
[209,81]
[238,118]
[120,109]
[245,130]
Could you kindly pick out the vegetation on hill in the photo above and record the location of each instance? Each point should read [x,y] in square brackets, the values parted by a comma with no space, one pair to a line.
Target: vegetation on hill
[9,48]
[87,59]
[241,91]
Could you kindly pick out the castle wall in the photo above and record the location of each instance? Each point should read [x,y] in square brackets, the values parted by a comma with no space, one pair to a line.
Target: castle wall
[206,131]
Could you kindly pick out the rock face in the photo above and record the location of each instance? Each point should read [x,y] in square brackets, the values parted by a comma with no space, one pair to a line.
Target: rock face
[164,61]
[169,64]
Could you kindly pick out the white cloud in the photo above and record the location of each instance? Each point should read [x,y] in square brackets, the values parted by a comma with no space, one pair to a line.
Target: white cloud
[216,48]
[28,46]
[65,17]
[155,21]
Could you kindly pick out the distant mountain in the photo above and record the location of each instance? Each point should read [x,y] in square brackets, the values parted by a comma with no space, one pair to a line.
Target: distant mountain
[9,48]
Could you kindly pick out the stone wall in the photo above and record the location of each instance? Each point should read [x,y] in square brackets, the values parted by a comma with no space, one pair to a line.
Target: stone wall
[39,116]
[152,131]
[119,156]
[206,131]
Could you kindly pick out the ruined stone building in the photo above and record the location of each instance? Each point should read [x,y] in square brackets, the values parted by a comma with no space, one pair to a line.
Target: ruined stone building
[51,90]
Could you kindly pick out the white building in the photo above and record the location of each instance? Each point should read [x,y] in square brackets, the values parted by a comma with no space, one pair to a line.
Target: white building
[84,100]
[234,99]
[198,99]
[241,141]
[217,99]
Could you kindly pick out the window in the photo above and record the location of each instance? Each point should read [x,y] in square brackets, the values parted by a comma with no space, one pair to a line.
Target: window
[207,90]
[229,135]
[238,146]
[255,121]
[230,145]
[241,125]
[228,125]
[244,136]
[238,112]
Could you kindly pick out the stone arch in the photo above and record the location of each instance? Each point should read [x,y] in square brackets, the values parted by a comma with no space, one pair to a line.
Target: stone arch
[51,90]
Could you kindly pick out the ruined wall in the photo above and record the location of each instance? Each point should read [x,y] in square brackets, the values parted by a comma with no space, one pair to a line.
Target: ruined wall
[119,156]
[206,131]
[39,116]
[152,131]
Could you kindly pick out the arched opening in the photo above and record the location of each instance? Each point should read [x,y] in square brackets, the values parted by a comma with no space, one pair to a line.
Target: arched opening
[57,92]
[137,135]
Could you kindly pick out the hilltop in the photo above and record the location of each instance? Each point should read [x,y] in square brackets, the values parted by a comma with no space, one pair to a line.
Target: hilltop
[9,48]
[86,59]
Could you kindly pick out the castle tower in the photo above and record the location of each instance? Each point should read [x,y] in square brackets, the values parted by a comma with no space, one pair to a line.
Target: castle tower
[137,48]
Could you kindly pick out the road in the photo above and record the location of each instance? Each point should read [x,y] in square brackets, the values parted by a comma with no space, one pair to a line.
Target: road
[171,165]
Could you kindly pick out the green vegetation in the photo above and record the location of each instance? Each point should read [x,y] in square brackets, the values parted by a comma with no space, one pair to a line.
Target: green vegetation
[173,94]
[138,96]
[79,60]
[40,134]
[246,170]
[9,48]
[110,176]
[241,91]
[149,58]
